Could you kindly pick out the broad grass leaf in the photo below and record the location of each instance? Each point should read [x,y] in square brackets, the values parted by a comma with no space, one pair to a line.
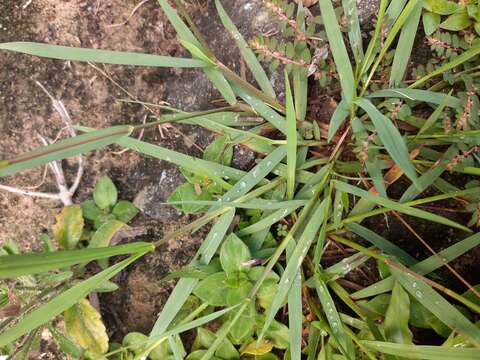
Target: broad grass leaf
[424,352]
[397,316]
[439,306]
[35,263]
[185,286]
[339,52]
[125,211]
[46,312]
[66,148]
[68,229]
[391,139]
[250,58]
[405,46]
[291,139]
[233,254]
[340,114]
[472,52]
[99,56]
[84,325]
[418,95]
[442,7]
[105,193]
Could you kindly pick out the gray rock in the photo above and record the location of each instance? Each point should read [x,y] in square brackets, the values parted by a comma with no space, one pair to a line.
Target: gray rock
[367,10]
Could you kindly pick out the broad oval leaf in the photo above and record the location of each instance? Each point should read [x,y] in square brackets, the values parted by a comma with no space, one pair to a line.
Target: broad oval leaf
[125,211]
[213,290]
[84,325]
[69,227]
[258,348]
[105,193]
[233,254]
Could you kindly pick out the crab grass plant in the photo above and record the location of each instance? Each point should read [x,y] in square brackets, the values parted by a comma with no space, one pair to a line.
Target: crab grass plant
[313,195]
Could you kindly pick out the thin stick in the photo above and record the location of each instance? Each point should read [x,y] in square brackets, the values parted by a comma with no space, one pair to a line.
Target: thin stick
[434,253]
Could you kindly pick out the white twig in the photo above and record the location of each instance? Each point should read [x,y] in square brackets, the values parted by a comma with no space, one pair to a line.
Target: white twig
[29,193]
[140,4]
[65,193]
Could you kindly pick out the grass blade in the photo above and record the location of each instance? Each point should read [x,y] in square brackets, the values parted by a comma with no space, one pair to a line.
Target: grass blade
[402,208]
[424,267]
[262,109]
[66,148]
[339,52]
[35,263]
[354,33]
[405,46]
[382,243]
[185,286]
[435,115]
[397,316]
[333,317]
[418,95]
[425,352]
[184,33]
[266,221]
[62,302]
[437,305]
[291,140]
[391,139]
[99,56]
[338,118]
[295,262]
[250,58]
[456,61]
[295,310]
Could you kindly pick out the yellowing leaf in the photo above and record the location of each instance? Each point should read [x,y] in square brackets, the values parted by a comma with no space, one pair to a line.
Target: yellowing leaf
[68,229]
[104,234]
[258,348]
[84,325]
[4,163]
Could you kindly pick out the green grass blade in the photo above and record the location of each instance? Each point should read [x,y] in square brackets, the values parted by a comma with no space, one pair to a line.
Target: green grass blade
[185,286]
[390,38]
[338,118]
[182,30]
[397,316]
[184,33]
[250,58]
[418,95]
[99,56]
[432,119]
[437,305]
[256,175]
[295,262]
[291,140]
[471,53]
[35,263]
[402,208]
[339,52]
[429,177]
[267,221]
[425,352]
[66,148]
[333,317]
[405,46]
[60,303]
[374,44]
[262,109]
[382,243]
[391,139]
[424,267]
[295,310]
[354,33]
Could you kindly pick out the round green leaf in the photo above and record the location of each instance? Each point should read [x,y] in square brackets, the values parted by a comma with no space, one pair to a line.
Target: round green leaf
[105,193]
